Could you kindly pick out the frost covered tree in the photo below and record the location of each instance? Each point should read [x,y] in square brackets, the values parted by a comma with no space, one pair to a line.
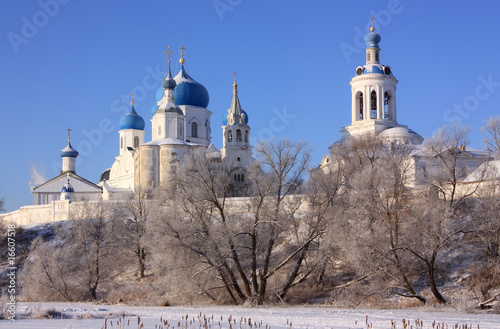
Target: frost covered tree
[131,230]
[242,245]
[491,136]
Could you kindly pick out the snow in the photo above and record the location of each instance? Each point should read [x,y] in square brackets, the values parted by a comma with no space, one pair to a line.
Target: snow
[276,317]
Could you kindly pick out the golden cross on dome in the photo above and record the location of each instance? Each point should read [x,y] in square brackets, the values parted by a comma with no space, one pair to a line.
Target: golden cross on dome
[372,21]
[182,54]
[168,53]
[69,132]
[132,99]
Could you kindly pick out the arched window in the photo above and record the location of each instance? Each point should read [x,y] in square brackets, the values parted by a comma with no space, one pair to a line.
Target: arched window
[194,129]
[238,136]
[230,136]
[387,98]
[360,105]
[242,177]
[246,136]
[121,142]
[373,105]
[136,141]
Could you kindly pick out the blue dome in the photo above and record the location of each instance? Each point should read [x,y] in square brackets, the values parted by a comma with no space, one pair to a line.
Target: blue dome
[189,91]
[132,120]
[169,82]
[69,151]
[372,39]
[373,68]
[68,188]
[224,118]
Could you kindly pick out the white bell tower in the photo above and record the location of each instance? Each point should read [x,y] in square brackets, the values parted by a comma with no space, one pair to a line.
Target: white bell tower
[373,106]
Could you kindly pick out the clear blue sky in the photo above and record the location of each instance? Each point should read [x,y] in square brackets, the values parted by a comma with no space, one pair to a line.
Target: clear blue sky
[75,64]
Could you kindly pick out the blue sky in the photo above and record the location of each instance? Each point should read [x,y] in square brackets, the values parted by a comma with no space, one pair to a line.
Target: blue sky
[74,63]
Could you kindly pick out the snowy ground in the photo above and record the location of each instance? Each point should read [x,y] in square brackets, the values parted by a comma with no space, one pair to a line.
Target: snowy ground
[276,317]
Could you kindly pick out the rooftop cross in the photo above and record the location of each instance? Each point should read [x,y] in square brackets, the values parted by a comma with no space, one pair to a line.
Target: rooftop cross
[168,52]
[182,54]
[372,21]
[69,132]
[234,74]
[132,99]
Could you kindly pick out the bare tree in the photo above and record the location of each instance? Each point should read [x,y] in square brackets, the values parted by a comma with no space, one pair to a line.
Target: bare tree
[491,136]
[49,269]
[2,203]
[92,237]
[131,230]
[246,242]
[440,212]
[379,179]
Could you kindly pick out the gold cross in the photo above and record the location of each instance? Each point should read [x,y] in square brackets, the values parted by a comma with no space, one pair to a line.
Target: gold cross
[372,20]
[69,132]
[132,99]
[182,50]
[235,74]
[168,53]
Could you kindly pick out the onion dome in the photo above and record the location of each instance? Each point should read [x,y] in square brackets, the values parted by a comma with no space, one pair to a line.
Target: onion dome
[188,91]
[67,188]
[132,120]
[69,151]
[169,82]
[372,39]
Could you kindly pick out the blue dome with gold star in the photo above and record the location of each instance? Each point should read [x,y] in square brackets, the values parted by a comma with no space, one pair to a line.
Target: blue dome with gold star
[189,92]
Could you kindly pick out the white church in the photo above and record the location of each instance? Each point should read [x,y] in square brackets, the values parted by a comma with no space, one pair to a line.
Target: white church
[181,122]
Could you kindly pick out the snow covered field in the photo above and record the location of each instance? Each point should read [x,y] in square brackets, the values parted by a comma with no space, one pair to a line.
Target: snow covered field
[276,317]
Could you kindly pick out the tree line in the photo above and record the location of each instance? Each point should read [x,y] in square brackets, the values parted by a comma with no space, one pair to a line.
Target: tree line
[369,226]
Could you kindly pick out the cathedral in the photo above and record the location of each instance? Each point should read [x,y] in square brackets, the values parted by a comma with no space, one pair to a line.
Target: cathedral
[181,122]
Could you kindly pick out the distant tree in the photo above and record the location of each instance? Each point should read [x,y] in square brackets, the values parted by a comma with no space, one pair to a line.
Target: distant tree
[2,204]
[491,136]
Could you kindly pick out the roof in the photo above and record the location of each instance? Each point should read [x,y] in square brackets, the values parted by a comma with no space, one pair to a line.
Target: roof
[56,184]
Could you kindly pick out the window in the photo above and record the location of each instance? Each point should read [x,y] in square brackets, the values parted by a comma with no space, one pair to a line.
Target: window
[238,136]
[373,105]
[159,130]
[376,56]
[368,56]
[121,142]
[136,141]
[194,129]
[239,159]
[246,136]
[360,105]
[230,136]
[387,98]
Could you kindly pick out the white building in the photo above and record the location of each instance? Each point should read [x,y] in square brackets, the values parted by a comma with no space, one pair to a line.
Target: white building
[374,113]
